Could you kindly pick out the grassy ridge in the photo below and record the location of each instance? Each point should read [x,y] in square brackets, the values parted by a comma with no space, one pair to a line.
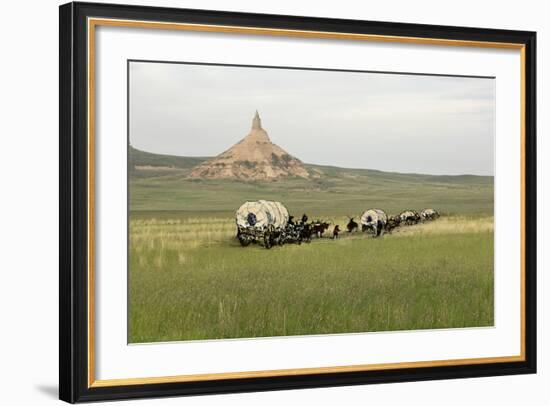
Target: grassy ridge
[338,192]
[190,280]
[142,158]
[171,193]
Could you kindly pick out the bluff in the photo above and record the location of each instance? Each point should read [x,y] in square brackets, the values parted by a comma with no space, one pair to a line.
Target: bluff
[254,157]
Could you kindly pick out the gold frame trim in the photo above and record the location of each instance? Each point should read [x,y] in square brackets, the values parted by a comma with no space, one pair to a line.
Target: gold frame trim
[94,22]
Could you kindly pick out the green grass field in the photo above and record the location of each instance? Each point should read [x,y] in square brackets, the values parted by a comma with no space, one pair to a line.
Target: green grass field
[190,279]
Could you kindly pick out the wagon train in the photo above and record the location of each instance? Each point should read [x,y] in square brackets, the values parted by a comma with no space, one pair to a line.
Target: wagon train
[268,223]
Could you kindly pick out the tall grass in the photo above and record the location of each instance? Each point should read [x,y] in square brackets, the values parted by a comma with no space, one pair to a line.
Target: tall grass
[190,279]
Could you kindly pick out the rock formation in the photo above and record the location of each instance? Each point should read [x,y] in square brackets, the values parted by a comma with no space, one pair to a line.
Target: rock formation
[255,157]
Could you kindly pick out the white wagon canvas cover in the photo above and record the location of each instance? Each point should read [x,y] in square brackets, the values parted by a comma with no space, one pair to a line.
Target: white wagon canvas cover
[265,213]
[428,213]
[372,216]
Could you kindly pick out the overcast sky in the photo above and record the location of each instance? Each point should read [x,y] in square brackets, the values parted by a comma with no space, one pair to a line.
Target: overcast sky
[390,122]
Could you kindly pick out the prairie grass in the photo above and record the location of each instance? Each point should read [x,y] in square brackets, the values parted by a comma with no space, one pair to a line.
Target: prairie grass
[190,279]
[449,225]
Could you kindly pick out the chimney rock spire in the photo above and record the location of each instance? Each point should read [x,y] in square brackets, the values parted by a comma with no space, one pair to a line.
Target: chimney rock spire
[254,157]
[256,122]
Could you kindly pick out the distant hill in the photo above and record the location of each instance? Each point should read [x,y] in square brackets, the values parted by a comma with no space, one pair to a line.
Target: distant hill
[141,160]
[337,172]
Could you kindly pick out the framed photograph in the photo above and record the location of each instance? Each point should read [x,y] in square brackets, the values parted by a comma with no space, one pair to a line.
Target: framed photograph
[257,202]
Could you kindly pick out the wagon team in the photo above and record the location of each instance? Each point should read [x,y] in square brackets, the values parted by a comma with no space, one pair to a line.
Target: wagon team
[268,223]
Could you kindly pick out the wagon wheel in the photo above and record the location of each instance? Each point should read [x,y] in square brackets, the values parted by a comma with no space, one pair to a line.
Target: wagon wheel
[243,239]
[267,241]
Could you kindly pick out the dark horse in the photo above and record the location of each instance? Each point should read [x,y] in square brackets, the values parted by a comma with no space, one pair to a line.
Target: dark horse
[319,227]
[352,225]
[336,231]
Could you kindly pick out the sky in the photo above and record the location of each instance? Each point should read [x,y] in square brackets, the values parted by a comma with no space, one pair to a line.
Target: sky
[390,122]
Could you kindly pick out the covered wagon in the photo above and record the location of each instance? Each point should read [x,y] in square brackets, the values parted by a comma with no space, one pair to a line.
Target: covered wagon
[409,217]
[261,222]
[429,214]
[374,221]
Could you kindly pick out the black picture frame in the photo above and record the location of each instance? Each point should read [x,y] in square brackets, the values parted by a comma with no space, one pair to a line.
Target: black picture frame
[74,199]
